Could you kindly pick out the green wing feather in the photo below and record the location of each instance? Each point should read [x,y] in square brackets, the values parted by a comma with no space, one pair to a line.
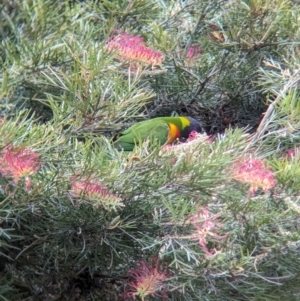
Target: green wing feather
[153,129]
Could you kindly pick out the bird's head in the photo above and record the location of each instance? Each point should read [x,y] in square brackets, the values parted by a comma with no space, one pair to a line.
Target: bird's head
[190,124]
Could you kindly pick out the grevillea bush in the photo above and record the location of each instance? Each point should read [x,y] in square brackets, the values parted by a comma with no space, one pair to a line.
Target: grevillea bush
[214,217]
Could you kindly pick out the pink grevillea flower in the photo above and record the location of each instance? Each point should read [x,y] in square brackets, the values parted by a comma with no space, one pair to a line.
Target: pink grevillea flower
[193,136]
[147,280]
[254,172]
[94,192]
[205,224]
[133,48]
[193,52]
[19,163]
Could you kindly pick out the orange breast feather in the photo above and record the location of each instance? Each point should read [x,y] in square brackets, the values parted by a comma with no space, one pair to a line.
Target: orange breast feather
[174,133]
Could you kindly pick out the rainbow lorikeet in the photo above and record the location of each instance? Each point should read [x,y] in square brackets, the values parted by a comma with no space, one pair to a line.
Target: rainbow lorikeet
[162,130]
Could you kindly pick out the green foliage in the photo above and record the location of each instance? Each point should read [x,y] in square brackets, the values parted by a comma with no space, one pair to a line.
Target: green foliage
[77,215]
[288,171]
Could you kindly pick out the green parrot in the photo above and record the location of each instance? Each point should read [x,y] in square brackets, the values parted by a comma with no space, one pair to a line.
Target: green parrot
[165,130]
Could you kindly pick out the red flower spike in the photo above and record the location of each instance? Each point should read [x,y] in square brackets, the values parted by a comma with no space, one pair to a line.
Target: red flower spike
[19,163]
[147,280]
[254,172]
[94,192]
[204,222]
[133,48]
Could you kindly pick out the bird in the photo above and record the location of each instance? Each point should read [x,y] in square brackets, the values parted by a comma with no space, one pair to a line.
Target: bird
[161,130]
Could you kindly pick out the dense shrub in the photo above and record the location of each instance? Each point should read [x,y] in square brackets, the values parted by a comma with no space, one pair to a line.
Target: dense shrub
[213,218]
